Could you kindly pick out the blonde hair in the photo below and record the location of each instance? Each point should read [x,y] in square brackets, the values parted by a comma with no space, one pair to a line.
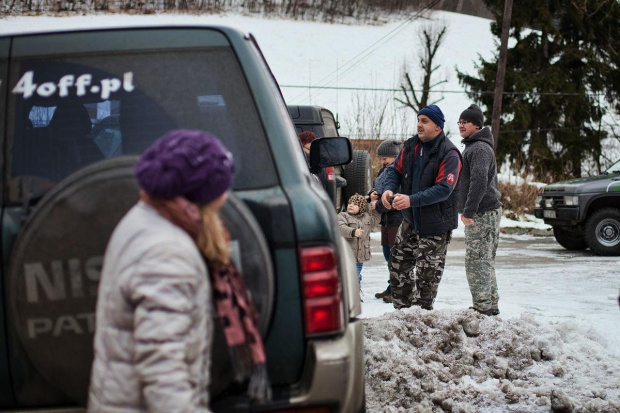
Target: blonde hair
[213,241]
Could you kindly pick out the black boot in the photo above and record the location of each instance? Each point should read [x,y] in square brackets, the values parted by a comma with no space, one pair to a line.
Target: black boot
[489,312]
[383,294]
[424,306]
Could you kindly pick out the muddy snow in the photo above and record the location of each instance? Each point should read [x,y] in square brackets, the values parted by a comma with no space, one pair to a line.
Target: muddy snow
[460,361]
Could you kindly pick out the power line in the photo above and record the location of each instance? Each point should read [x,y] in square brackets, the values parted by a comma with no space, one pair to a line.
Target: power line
[532,130]
[374,89]
[370,49]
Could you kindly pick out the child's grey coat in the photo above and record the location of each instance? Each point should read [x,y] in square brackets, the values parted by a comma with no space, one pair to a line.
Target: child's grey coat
[348,223]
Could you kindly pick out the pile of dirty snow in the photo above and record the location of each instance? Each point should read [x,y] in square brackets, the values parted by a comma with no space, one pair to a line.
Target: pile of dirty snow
[461,361]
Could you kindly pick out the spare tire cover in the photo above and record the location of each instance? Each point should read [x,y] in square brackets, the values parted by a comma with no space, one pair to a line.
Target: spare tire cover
[56,265]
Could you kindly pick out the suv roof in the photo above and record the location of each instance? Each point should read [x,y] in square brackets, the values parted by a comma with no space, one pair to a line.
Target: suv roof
[70,25]
[306,115]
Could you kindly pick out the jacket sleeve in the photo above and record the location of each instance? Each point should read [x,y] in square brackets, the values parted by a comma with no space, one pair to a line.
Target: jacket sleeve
[380,208]
[479,162]
[162,291]
[343,225]
[445,182]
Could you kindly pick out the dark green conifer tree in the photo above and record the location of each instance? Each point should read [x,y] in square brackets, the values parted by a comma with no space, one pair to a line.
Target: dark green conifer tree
[562,76]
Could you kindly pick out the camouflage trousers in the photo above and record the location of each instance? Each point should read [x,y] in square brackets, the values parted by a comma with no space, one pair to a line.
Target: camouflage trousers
[416,266]
[481,240]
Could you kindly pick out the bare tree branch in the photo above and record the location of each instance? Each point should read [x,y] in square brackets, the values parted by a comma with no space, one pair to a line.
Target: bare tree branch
[431,37]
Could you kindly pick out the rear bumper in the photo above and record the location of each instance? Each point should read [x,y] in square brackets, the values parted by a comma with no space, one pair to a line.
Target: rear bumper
[334,371]
[332,380]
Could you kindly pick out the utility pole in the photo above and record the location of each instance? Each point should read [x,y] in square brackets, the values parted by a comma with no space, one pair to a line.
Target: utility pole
[501,72]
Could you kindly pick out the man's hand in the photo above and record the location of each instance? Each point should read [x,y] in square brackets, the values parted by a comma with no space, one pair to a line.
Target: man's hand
[467,221]
[359,232]
[374,196]
[401,202]
[385,199]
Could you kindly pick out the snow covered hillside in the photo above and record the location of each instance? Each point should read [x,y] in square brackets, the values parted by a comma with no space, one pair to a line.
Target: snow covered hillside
[302,53]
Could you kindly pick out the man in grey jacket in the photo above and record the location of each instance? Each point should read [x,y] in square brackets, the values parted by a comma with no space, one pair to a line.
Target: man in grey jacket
[481,210]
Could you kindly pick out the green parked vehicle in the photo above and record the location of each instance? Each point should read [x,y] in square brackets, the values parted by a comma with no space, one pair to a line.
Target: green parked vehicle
[584,212]
[76,109]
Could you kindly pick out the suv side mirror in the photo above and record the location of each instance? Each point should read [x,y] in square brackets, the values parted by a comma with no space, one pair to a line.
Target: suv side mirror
[326,152]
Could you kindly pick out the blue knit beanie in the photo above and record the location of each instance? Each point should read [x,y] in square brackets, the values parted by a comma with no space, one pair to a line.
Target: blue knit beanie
[434,113]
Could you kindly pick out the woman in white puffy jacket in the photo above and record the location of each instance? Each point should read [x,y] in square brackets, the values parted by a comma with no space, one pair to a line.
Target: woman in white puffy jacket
[154,309]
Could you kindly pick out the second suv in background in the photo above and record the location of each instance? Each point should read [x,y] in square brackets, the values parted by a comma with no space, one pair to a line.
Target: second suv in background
[584,212]
[340,181]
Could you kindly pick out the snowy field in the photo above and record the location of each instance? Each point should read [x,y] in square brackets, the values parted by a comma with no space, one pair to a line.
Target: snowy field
[302,53]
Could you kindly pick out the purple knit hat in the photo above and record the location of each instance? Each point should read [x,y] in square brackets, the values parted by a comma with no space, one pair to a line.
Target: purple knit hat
[187,163]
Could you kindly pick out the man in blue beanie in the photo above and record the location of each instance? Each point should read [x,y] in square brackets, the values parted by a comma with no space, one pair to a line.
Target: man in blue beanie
[427,171]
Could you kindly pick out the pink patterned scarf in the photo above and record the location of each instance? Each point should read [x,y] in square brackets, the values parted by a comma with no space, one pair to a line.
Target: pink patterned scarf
[177,210]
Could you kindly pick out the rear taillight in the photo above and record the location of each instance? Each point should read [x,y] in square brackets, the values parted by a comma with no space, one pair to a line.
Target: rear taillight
[330,172]
[321,290]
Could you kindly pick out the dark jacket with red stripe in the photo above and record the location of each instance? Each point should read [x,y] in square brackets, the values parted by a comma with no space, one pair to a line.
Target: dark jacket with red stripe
[429,173]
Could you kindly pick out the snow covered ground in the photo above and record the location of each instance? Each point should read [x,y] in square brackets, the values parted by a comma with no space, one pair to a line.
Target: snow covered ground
[557,339]
[457,361]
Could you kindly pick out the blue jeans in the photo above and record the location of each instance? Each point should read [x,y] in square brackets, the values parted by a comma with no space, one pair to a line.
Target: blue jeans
[359,272]
[386,254]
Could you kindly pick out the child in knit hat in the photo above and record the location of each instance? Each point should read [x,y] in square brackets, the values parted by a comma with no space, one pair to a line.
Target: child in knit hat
[355,225]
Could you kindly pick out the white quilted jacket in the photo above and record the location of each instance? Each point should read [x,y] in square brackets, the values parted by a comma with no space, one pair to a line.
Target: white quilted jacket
[154,323]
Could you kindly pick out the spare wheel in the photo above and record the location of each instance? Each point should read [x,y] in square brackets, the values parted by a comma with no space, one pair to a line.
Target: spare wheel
[358,175]
[56,264]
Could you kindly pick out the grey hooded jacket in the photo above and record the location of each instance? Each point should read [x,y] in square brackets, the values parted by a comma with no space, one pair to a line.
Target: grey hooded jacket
[479,190]
[153,332]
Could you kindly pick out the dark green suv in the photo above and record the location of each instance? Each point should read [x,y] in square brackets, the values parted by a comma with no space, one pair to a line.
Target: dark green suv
[341,181]
[76,109]
[584,212]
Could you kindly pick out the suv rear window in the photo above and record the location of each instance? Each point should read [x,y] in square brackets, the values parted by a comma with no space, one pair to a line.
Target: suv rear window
[76,109]
[329,123]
